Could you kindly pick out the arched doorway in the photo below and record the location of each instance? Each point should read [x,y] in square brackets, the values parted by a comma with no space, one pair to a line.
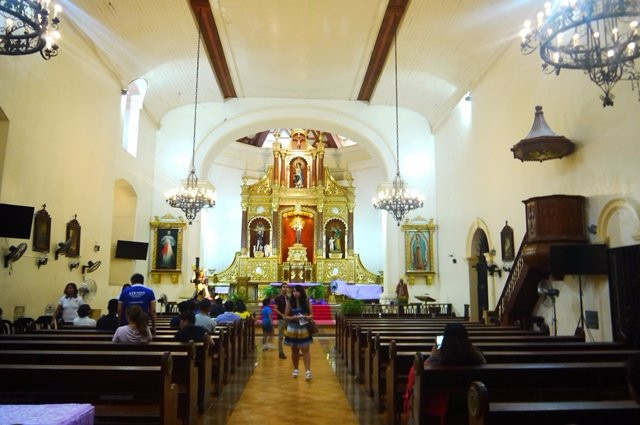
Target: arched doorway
[478,274]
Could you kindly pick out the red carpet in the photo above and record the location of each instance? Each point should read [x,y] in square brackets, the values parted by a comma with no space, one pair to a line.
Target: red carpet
[321,314]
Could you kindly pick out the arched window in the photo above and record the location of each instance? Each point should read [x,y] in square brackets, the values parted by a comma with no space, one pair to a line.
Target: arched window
[132,101]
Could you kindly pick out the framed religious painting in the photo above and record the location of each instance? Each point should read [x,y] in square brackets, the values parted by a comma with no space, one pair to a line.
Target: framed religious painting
[73,234]
[418,244]
[42,230]
[166,254]
[506,243]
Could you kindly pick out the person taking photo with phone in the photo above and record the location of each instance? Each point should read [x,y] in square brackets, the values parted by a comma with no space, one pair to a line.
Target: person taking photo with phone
[455,349]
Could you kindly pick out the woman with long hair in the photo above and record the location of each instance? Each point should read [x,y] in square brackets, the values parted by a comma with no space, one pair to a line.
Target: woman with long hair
[137,331]
[297,336]
[456,349]
[68,304]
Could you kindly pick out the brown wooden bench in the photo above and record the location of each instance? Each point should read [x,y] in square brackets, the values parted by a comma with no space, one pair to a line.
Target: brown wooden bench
[591,412]
[393,378]
[118,393]
[203,354]
[516,382]
[184,372]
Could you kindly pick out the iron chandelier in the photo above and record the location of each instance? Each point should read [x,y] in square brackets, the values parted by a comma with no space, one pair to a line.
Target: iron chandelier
[194,195]
[26,26]
[399,199]
[599,37]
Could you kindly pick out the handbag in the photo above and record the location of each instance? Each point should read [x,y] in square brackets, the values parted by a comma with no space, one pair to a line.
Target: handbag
[312,327]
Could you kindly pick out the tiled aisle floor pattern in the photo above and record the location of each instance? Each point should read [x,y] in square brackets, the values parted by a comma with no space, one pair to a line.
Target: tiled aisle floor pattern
[263,392]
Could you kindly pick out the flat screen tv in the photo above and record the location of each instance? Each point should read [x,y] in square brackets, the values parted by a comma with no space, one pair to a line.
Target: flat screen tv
[132,250]
[579,259]
[15,221]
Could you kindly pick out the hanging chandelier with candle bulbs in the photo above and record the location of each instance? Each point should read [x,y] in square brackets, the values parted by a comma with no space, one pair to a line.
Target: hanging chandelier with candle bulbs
[599,37]
[29,26]
[194,195]
[397,200]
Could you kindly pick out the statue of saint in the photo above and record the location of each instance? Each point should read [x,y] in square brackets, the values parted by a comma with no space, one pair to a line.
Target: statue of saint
[297,226]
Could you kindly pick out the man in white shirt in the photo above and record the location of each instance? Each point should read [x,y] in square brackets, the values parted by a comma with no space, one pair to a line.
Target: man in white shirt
[202,318]
[83,319]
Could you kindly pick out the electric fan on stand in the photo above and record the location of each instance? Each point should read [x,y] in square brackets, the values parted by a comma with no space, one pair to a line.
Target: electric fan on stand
[550,294]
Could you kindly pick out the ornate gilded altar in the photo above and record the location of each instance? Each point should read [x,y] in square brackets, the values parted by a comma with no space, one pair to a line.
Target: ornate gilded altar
[297,222]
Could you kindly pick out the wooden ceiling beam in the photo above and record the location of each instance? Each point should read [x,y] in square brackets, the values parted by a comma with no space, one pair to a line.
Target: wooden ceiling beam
[390,23]
[202,13]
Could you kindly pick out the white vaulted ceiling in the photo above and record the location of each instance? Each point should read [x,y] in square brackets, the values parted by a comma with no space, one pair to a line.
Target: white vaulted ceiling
[302,49]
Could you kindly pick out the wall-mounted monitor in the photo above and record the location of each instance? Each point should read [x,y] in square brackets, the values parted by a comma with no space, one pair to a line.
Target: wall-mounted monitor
[15,221]
[579,259]
[132,250]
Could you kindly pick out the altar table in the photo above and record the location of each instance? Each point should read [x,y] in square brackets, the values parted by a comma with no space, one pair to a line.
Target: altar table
[46,414]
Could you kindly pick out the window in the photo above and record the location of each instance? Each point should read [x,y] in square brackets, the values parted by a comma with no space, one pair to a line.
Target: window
[131,103]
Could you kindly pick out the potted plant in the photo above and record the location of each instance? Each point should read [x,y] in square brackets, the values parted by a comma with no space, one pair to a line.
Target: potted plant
[316,294]
[351,307]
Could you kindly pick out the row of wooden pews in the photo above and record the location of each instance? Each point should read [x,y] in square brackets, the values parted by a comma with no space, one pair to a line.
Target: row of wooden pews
[523,368]
[163,382]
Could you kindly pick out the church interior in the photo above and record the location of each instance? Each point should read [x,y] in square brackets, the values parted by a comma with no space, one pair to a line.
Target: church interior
[291,120]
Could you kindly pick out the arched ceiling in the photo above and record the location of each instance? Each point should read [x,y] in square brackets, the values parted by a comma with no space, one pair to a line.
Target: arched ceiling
[301,49]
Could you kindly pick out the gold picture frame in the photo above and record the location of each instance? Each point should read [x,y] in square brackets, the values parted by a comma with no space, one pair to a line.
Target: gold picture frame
[166,255]
[419,247]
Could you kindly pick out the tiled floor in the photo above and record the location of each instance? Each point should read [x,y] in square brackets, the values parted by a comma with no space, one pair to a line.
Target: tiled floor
[263,392]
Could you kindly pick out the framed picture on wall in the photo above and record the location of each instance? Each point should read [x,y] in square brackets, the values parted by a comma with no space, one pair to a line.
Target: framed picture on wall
[506,242]
[73,233]
[166,254]
[418,244]
[42,230]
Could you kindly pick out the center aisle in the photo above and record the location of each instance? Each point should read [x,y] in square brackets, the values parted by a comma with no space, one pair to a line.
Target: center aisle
[273,396]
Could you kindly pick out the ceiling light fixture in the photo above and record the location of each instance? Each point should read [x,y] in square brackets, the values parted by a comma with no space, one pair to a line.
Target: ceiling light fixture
[399,199]
[599,37]
[26,27]
[194,195]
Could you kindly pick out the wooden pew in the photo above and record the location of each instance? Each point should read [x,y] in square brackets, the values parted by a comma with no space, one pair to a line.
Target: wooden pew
[118,393]
[184,372]
[397,370]
[591,412]
[203,356]
[539,381]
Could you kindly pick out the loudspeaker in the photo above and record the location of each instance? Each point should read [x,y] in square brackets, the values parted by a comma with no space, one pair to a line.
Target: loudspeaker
[579,259]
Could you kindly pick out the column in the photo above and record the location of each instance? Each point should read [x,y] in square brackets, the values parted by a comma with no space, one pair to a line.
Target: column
[350,232]
[320,235]
[320,163]
[283,170]
[314,174]
[243,236]
[275,237]
[393,263]
[276,168]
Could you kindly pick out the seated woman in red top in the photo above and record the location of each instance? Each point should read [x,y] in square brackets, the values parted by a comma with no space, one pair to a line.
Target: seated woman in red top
[456,350]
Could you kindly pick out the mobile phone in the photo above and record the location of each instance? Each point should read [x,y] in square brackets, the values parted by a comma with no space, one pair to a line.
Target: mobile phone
[439,341]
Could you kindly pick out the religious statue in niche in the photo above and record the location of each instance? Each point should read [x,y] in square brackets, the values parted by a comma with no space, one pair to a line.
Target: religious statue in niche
[334,232]
[298,225]
[298,172]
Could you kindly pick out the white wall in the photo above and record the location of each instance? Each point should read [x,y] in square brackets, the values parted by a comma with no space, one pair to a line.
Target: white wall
[64,149]
[478,177]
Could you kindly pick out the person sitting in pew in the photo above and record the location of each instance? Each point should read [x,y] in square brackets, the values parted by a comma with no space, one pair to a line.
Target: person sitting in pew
[188,329]
[109,322]
[183,307]
[137,331]
[228,316]
[83,319]
[455,349]
[217,309]
[633,376]
[202,318]
[241,310]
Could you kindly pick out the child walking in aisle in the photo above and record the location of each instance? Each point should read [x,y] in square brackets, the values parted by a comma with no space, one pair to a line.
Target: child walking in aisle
[267,324]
